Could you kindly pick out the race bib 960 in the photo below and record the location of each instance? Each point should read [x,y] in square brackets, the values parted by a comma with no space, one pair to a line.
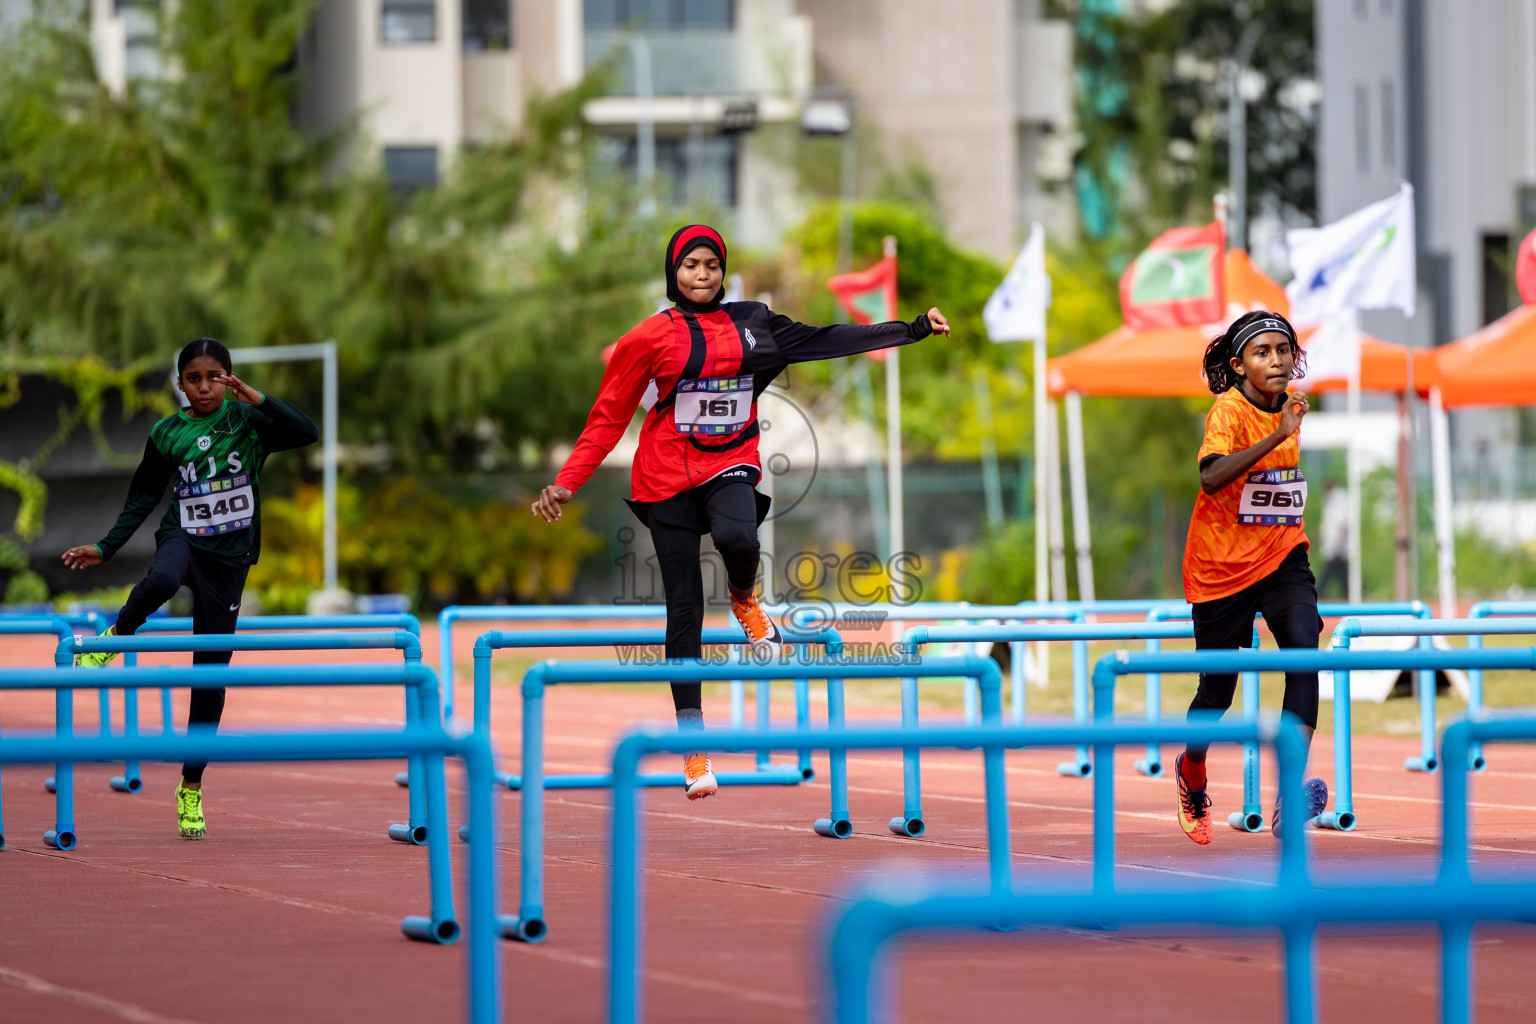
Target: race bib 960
[1273,497]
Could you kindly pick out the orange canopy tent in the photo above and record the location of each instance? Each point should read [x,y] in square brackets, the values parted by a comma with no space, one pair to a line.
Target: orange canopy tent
[1495,366]
[1166,363]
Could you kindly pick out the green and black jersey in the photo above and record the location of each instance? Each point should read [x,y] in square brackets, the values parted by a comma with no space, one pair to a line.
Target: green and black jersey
[214,466]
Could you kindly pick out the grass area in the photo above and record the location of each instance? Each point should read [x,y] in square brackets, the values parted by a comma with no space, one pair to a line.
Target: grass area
[1393,717]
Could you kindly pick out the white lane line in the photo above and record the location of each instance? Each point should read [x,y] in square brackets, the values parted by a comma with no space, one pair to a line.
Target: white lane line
[116,1008]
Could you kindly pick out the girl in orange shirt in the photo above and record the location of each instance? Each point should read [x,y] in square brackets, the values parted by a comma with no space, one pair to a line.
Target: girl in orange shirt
[1246,553]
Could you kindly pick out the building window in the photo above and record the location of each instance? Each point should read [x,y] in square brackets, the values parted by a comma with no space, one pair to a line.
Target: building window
[1496,277]
[1388,124]
[141,51]
[487,25]
[613,15]
[408,21]
[690,171]
[1362,128]
[409,168]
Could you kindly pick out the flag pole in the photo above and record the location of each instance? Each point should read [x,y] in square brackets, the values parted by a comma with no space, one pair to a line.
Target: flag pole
[1042,507]
[893,432]
[1356,583]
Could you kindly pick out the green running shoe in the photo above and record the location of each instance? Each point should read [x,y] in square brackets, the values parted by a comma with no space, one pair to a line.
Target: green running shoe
[97,659]
[189,812]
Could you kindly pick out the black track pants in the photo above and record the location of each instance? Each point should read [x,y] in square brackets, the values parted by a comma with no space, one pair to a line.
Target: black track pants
[216,588]
[1288,599]
[731,509]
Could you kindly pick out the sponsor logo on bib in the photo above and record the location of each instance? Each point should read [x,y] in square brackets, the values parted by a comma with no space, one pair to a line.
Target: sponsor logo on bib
[204,443]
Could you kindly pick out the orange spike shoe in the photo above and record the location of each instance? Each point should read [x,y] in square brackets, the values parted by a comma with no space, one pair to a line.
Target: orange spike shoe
[698,777]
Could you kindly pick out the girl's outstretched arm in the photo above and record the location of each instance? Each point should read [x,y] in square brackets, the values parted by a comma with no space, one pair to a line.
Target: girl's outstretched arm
[144,493]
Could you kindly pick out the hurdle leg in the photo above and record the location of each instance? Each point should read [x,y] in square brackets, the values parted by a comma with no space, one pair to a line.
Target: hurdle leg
[1082,767]
[441,928]
[1152,764]
[62,835]
[999,839]
[911,821]
[484,957]
[167,712]
[104,710]
[763,710]
[838,825]
[803,722]
[1426,761]
[2,817]
[415,831]
[529,925]
[1475,759]
[1016,681]
[970,701]
[738,704]
[1252,817]
[1456,972]
[129,781]
[1300,973]
[1342,817]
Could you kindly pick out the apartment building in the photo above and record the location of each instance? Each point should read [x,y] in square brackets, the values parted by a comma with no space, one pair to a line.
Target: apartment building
[707,95]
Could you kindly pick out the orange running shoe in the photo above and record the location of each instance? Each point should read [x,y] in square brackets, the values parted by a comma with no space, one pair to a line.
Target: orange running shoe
[1194,807]
[763,634]
[698,777]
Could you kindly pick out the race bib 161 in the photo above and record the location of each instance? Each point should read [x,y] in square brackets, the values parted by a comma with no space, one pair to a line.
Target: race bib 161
[1273,497]
[713,405]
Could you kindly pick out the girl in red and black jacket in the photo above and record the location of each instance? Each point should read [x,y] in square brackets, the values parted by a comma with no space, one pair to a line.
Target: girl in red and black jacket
[698,368]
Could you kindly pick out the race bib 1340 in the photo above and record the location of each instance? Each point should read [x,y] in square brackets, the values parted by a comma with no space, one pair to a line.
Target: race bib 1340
[1273,497]
[713,405]
[216,506]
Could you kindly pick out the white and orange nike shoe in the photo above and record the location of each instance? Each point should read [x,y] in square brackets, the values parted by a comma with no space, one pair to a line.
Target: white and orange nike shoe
[698,777]
[764,636]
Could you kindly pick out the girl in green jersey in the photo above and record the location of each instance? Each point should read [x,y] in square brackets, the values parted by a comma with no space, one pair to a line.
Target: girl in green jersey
[211,454]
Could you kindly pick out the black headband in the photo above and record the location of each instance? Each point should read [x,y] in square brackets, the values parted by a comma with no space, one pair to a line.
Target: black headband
[1252,330]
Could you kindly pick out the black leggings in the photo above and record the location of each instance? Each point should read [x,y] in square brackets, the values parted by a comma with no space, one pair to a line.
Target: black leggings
[216,588]
[1288,599]
[731,511]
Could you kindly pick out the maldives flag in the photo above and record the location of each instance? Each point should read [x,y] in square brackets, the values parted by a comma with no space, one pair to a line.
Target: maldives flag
[869,296]
[1176,281]
[1525,269]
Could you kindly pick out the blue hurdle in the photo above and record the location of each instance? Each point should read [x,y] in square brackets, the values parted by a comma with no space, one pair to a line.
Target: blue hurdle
[1338,660]
[1295,906]
[625,886]
[419,679]
[262,623]
[1079,634]
[783,775]
[1252,817]
[483,996]
[1486,610]
[1343,759]
[530,924]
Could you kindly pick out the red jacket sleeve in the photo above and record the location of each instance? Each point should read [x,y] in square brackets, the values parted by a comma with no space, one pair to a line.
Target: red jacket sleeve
[624,381]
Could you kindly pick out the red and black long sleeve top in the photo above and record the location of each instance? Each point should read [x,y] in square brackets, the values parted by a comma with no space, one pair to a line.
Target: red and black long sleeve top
[707,370]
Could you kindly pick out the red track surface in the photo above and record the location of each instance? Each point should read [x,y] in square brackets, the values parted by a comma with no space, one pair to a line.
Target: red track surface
[289,911]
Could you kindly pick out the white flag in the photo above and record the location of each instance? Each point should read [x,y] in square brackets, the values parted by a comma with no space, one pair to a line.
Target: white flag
[1016,310]
[1364,261]
[1333,351]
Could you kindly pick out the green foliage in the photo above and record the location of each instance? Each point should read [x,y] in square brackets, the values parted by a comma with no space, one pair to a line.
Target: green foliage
[26,588]
[1151,104]
[469,317]
[416,537]
[1001,569]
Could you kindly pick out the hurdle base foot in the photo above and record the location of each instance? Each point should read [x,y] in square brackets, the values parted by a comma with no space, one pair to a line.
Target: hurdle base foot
[1151,769]
[1427,765]
[807,774]
[61,839]
[424,929]
[909,827]
[51,784]
[1338,821]
[2,840]
[415,835]
[1477,762]
[833,828]
[403,780]
[126,783]
[1075,769]
[1246,821]
[463,833]
[512,782]
[522,928]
